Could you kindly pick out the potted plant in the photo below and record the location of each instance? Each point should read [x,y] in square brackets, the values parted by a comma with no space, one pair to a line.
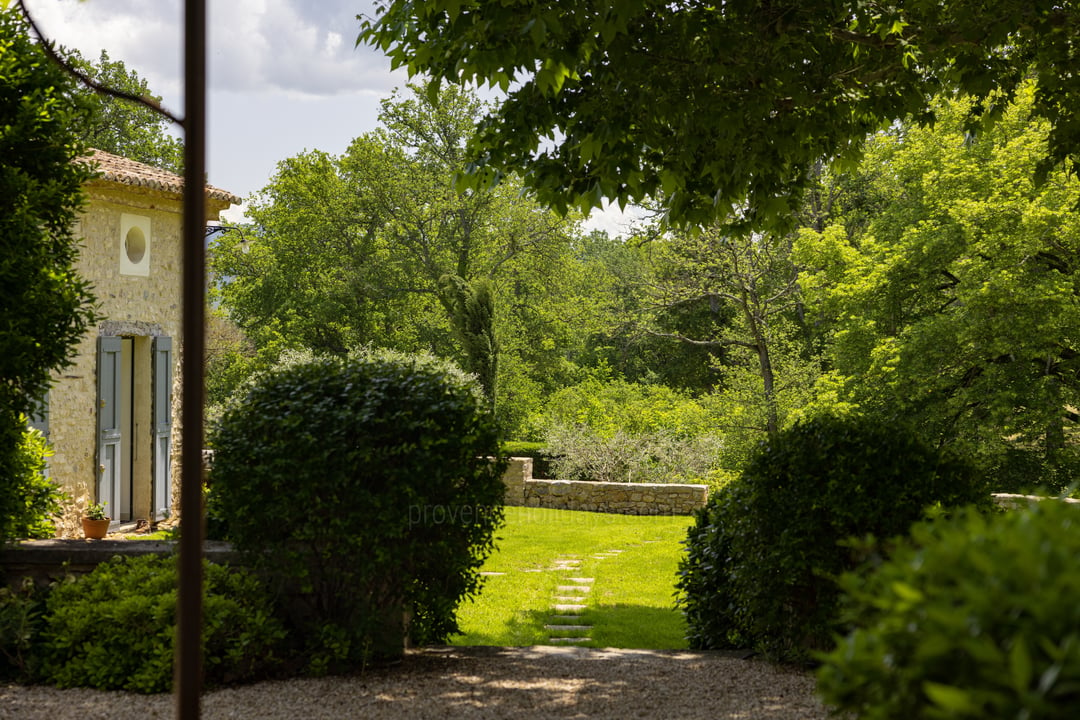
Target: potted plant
[95,522]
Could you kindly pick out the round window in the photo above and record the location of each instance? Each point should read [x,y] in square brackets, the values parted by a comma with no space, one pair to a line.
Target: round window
[135,245]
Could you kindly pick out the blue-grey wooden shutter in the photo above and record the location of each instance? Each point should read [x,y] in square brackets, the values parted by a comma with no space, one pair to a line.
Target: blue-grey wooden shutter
[40,421]
[40,418]
[109,414]
[162,426]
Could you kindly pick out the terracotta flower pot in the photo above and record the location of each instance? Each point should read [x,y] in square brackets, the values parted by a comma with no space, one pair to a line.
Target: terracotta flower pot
[95,529]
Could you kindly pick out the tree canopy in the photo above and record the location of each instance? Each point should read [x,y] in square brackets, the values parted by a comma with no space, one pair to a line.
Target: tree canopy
[45,307]
[957,303]
[375,247]
[722,108]
[121,126]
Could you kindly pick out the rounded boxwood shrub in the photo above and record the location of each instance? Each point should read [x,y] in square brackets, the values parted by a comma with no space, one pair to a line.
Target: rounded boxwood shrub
[763,554]
[971,618]
[114,628]
[366,487]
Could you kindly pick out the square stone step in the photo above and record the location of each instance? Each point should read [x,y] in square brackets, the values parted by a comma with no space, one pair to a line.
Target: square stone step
[568,628]
[569,598]
[582,581]
[567,608]
[569,641]
[574,588]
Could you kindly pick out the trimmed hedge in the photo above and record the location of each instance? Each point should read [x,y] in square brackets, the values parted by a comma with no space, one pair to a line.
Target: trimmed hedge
[763,554]
[365,490]
[972,618]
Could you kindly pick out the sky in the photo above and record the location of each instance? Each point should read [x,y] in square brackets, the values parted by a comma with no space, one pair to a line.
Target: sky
[284,76]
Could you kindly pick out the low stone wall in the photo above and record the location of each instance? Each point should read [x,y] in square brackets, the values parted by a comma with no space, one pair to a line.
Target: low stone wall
[624,498]
[48,560]
[1012,501]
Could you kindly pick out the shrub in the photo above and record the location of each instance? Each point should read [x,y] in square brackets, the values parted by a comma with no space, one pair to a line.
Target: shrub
[364,488]
[20,620]
[763,554]
[617,431]
[975,617]
[36,500]
[526,448]
[612,406]
[113,628]
[578,453]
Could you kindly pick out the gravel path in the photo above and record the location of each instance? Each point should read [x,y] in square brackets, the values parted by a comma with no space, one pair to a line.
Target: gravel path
[480,683]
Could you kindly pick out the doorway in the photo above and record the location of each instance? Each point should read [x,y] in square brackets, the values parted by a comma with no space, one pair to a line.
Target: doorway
[134,426]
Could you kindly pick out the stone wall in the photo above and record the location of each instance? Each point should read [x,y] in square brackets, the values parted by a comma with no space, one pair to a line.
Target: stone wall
[1012,501]
[625,498]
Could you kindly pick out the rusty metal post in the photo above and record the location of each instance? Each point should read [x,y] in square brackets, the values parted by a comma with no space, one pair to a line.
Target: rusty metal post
[188,668]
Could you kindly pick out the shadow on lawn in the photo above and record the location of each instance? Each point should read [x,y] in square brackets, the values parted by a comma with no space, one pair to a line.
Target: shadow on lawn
[615,626]
[636,626]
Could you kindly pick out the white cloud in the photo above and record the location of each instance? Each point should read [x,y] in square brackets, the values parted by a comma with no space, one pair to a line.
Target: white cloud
[283,75]
[291,46]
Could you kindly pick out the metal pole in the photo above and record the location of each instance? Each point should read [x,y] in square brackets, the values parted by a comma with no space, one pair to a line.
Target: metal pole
[188,667]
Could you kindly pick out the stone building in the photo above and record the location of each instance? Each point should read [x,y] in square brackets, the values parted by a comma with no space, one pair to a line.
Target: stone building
[113,416]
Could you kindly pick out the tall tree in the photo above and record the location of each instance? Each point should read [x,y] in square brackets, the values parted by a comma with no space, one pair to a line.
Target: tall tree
[353,250]
[472,315]
[723,107]
[755,335]
[958,303]
[45,307]
[121,126]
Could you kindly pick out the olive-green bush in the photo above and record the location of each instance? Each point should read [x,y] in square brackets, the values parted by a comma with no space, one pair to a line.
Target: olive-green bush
[114,628]
[763,555]
[366,489]
[976,617]
[36,500]
[618,431]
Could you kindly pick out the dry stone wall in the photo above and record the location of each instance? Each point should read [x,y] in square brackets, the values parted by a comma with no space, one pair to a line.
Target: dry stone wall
[625,498]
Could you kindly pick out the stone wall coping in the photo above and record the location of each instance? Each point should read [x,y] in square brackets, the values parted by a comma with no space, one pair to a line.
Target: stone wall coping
[604,484]
[93,552]
[1014,500]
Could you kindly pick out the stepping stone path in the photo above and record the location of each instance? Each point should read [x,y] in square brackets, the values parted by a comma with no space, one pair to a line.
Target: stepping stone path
[567,627]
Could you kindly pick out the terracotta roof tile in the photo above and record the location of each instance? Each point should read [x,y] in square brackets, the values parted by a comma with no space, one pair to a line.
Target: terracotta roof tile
[116,168]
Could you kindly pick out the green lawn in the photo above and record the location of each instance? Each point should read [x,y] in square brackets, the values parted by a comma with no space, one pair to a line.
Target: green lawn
[631,559]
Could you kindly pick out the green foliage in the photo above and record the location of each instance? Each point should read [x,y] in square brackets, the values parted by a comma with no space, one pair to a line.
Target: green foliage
[972,618]
[47,307]
[608,406]
[579,453]
[121,126]
[472,315]
[617,431]
[723,110]
[114,628]
[362,486]
[20,622]
[95,511]
[956,303]
[764,553]
[521,448]
[349,251]
[36,500]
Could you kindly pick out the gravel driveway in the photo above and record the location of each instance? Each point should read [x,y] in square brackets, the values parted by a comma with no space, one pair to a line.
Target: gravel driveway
[479,682]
